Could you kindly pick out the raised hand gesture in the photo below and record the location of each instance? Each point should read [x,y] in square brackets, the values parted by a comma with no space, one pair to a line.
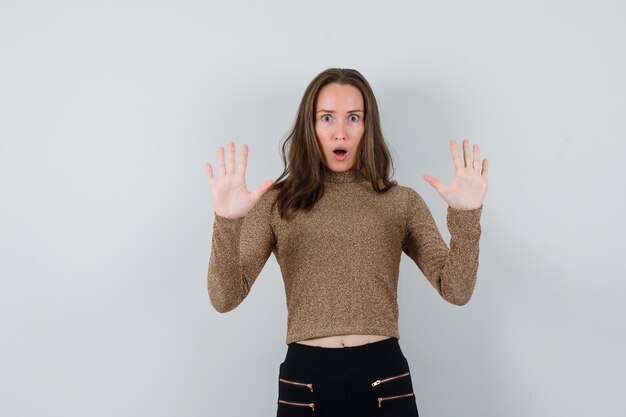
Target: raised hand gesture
[468,188]
[230,196]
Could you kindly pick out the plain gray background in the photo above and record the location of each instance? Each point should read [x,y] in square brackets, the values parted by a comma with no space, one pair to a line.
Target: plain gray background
[110,109]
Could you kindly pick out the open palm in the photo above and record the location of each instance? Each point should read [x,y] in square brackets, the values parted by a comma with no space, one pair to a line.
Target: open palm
[231,198]
[468,188]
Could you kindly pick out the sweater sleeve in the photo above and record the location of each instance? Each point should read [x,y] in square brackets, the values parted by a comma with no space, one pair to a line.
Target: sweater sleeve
[451,271]
[239,249]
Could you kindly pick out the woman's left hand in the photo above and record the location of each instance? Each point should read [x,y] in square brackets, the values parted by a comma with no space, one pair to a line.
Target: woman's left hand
[468,188]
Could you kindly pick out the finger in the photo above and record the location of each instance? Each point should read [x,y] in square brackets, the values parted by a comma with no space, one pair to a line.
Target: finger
[220,161]
[466,153]
[209,172]
[256,194]
[432,181]
[485,166]
[243,161]
[476,162]
[455,154]
[231,157]
[267,184]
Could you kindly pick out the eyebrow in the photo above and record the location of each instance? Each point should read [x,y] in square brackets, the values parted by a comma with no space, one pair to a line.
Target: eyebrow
[332,111]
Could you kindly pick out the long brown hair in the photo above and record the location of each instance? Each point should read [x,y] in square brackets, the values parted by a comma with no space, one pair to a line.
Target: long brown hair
[301,183]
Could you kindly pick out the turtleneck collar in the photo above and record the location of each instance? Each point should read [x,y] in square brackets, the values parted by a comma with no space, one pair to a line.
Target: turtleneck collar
[351,175]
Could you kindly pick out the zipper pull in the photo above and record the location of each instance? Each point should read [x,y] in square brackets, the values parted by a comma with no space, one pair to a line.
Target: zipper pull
[378,381]
[310,385]
[380,400]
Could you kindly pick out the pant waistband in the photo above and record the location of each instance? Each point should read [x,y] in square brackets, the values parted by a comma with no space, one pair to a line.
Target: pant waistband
[344,359]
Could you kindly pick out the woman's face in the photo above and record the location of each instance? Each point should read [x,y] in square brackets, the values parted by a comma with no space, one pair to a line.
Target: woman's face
[339,124]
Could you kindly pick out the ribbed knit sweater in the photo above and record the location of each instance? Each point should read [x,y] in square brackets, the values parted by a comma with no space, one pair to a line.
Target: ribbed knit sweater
[340,261]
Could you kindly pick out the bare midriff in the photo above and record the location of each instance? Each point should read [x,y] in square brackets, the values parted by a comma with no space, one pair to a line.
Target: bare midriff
[343,340]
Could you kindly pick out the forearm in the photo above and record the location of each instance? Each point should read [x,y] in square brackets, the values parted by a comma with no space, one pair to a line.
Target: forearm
[458,274]
[226,285]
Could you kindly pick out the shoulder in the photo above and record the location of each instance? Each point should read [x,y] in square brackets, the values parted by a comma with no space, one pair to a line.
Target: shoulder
[263,206]
[399,198]
[412,201]
[269,196]
[397,193]
[403,192]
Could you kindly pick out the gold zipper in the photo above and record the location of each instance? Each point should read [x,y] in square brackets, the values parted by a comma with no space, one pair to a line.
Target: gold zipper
[380,381]
[381,399]
[312,405]
[297,383]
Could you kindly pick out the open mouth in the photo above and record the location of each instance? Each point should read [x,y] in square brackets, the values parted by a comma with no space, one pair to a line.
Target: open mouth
[340,154]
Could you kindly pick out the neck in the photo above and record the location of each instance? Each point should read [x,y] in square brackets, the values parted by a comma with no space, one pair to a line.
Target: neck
[351,175]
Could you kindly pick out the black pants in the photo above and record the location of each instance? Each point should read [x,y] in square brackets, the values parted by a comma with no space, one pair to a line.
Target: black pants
[355,381]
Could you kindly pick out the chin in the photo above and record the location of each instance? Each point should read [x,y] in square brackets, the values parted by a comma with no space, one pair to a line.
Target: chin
[339,168]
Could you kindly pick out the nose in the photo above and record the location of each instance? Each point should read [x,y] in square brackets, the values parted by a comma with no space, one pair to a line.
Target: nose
[340,133]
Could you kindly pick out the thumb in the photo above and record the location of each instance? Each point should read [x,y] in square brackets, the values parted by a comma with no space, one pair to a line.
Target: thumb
[208,170]
[262,188]
[432,181]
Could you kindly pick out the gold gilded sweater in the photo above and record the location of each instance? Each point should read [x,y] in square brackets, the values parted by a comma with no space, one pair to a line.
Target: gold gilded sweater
[340,261]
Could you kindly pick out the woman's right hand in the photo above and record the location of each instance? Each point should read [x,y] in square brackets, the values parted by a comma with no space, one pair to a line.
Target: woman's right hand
[230,197]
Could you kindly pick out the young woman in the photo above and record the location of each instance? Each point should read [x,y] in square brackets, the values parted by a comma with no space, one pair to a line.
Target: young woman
[337,226]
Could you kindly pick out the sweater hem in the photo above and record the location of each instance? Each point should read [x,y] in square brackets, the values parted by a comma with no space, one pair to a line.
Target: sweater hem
[342,331]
